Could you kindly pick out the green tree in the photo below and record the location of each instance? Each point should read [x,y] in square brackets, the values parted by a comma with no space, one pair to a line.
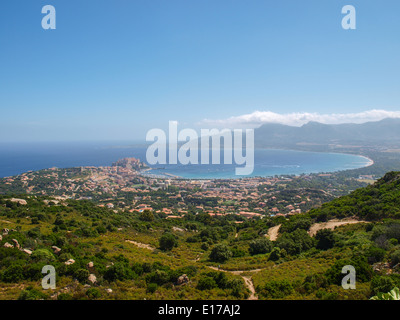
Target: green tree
[260,246]
[325,239]
[146,215]
[220,253]
[168,241]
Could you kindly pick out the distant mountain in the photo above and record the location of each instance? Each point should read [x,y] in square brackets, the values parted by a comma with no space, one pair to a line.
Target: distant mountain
[384,132]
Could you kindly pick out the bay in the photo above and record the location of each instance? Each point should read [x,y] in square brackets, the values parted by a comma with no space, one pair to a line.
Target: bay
[17,158]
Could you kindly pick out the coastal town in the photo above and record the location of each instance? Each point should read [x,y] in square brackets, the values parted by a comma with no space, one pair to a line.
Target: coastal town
[129,186]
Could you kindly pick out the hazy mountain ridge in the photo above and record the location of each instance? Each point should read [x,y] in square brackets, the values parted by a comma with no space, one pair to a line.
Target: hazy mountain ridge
[384,132]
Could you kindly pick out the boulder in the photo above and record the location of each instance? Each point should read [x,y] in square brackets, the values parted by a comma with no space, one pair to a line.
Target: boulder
[56,249]
[16,244]
[27,251]
[69,262]
[183,279]
[90,264]
[109,290]
[8,245]
[92,278]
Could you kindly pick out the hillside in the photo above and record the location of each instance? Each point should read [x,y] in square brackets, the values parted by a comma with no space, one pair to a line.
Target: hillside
[374,202]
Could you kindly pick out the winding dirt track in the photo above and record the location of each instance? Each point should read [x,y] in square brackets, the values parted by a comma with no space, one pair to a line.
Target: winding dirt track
[331,224]
[141,245]
[273,233]
[247,280]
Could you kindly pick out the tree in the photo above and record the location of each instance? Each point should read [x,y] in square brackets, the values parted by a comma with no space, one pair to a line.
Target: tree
[381,284]
[295,242]
[81,275]
[146,215]
[260,246]
[206,283]
[168,241]
[220,253]
[42,255]
[325,239]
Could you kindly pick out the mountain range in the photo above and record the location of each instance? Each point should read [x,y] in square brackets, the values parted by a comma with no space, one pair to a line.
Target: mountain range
[384,132]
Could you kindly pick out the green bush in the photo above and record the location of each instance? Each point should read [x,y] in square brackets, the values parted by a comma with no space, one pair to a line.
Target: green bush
[381,285]
[168,241]
[81,275]
[93,293]
[32,294]
[260,246]
[395,257]
[295,242]
[277,289]
[220,253]
[325,239]
[43,255]
[206,283]
[152,287]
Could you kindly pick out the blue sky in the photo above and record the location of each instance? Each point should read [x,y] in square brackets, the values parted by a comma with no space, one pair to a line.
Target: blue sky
[114,69]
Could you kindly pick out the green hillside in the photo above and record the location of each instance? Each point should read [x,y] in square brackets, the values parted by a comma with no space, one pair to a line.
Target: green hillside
[100,253]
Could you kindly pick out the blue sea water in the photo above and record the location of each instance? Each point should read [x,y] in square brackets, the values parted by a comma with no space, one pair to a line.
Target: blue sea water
[17,158]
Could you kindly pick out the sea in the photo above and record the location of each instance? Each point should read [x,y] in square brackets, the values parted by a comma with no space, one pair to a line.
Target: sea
[17,158]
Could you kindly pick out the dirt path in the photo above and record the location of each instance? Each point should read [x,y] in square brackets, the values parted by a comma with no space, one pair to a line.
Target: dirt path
[273,233]
[249,283]
[247,280]
[331,224]
[141,245]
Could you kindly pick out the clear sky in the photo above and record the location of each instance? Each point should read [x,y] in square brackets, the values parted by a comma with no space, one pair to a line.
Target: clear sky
[114,69]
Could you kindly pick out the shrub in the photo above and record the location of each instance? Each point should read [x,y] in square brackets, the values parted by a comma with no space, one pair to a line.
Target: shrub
[276,254]
[168,241]
[158,277]
[375,254]
[119,271]
[260,246]
[364,271]
[220,253]
[395,257]
[295,242]
[381,285]
[206,283]
[13,273]
[146,215]
[325,239]
[277,289]
[31,294]
[43,255]
[152,287]
[81,275]
[93,293]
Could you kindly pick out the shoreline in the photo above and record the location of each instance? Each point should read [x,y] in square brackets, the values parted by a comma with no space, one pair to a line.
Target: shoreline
[173,176]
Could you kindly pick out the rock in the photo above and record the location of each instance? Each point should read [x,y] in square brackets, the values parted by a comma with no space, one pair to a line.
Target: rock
[92,278]
[16,244]
[109,290]
[7,245]
[5,231]
[90,264]
[20,201]
[56,249]
[1,237]
[183,279]
[69,262]
[27,251]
